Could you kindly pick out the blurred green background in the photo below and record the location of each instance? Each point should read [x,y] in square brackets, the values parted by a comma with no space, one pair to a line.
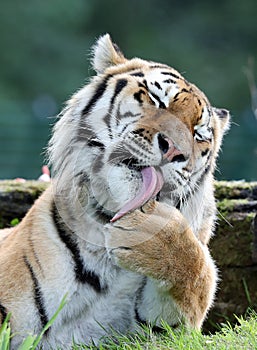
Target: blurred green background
[45,47]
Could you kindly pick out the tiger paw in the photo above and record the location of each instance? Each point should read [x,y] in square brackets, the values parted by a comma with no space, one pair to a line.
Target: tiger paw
[143,240]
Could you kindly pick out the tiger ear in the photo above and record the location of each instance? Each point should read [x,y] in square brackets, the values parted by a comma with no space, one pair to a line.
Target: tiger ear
[106,54]
[224,117]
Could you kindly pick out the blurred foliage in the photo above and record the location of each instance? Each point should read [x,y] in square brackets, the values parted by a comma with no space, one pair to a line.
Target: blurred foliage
[45,47]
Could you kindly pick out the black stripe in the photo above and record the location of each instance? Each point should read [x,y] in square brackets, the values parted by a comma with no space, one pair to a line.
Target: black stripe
[179,204]
[171,74]
[176,98]
[96,143]
[127,115]
[120,85]
[97,95]
[138,318]
[161,104]
[38,296]
[181,175]
[171,81]
[157,85]
[143,84]
[203,153]
[31,243]
[85,133]
[67,237]
[202,138]
[138,74]
[137,96]
[3,312]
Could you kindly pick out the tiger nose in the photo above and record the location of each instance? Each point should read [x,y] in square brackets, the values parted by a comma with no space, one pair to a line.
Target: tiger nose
[170,152]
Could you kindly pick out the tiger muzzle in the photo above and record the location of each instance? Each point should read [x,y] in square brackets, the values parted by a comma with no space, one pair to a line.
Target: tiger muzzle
[175,140]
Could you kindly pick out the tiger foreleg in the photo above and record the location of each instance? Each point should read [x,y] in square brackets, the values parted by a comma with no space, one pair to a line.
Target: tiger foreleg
[157,242]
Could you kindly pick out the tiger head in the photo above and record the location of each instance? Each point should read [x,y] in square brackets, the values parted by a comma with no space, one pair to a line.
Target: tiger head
[138,130]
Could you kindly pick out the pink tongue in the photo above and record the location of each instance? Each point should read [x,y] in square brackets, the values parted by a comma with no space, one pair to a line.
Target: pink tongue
[152,183]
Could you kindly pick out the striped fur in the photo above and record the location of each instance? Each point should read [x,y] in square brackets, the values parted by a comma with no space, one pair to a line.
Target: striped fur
[153,263]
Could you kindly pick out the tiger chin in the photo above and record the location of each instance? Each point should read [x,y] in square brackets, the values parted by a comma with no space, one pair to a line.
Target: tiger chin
[123,229]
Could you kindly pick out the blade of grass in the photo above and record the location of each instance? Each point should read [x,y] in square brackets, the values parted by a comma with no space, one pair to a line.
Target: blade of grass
[28,343]
[32,341]
[5,333]
[247,293]
[50,322]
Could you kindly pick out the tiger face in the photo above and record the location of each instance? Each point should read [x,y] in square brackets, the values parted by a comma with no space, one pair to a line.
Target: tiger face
[139,130]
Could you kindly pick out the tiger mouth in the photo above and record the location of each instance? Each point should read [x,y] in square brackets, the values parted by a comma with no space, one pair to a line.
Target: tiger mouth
[152,182]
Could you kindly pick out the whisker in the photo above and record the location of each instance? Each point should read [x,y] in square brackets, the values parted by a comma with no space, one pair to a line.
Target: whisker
[223,217]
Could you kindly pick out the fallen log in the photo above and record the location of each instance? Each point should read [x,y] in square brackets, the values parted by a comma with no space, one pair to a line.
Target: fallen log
[234,246]
[16,198]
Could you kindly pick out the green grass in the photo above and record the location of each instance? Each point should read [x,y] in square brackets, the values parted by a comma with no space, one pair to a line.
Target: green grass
[242,336]
[32,341]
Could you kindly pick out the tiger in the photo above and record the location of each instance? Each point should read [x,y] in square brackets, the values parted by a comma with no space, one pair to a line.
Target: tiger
[123,229]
